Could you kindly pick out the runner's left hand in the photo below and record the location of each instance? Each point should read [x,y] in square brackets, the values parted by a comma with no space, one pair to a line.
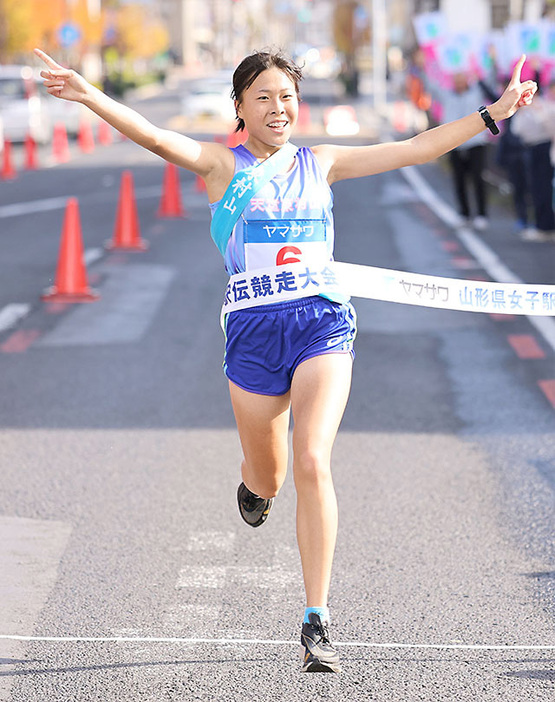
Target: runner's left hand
[516,95]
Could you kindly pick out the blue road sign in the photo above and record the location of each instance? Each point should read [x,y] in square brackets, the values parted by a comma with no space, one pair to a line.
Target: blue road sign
[69,34]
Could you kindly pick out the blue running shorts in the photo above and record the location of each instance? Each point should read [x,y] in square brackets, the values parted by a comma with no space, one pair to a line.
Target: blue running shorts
[265,344]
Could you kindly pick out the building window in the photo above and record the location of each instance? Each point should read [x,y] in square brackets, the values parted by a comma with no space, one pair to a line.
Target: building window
[422,6]
[500,13]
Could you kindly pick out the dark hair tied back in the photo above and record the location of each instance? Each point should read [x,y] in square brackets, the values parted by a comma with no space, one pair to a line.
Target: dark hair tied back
[252,66]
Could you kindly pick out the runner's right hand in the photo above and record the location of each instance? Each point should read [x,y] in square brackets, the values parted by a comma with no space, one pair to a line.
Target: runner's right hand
[62,82]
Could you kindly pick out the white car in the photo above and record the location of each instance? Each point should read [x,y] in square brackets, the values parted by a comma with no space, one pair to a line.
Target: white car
[26,108]
[22,109]
[210,97]
[341,120]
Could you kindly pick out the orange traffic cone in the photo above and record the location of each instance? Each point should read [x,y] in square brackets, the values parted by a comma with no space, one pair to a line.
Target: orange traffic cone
[8,170]
[31,162]
[85,137]
[104,133]
[71,276]
[170,202]
[303,121]
[127,233]
[60,146]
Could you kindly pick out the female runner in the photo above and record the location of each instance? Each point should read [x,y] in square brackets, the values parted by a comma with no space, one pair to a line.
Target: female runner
[293,355]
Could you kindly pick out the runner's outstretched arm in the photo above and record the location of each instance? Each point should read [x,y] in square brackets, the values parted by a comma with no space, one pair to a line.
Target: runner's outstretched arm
[199,157]
[356,161]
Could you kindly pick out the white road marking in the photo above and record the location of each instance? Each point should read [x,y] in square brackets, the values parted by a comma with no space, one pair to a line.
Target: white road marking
[17,209]
[29,557]
[11,314]
[487,258]
[274,642]
[31,550]
[92,255]
[130,298]
[201,577]
[204,540]
[268,577]
[184,613]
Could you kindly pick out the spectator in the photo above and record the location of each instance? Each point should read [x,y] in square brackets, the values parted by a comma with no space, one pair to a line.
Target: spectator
[416,84]
[550,123]
[468,160]
[534,127]
[510,157]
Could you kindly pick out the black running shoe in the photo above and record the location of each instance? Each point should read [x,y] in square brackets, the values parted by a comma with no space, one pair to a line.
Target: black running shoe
[253,509]
[319,656]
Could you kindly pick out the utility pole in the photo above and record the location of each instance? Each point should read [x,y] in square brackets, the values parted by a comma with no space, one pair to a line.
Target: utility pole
[92,60]
[379,54]
[188,46]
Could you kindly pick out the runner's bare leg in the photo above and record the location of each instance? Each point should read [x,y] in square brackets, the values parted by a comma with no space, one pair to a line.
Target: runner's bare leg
[319,394]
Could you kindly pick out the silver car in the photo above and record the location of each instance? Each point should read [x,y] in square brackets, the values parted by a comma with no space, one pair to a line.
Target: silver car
[22,110]
[26,108]
[209,97]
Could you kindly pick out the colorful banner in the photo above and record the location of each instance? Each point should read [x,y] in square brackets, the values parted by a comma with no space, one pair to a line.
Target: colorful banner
[429,28]
[496,41]
[455,53]
[524,38]
[465,51]
[548,40]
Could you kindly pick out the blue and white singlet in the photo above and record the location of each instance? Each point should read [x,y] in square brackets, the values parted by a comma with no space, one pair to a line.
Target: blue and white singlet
[288,220]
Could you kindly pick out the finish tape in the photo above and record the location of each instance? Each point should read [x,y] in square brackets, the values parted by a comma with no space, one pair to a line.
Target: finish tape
[336,279]
[446,293]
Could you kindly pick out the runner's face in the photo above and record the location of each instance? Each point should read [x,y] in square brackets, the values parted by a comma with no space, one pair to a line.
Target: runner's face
[270,107]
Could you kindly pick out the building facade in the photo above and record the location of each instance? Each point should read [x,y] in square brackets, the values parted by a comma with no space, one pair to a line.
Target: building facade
[218,33]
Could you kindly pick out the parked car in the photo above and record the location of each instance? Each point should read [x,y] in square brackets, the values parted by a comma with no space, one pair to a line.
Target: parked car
[341,120]
[22,109]
[209,97]
[26,107]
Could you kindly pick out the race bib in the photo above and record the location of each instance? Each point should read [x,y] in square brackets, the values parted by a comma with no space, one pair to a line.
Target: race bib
[277,242]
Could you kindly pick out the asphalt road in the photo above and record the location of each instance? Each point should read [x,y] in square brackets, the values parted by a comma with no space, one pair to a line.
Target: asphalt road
[121,549]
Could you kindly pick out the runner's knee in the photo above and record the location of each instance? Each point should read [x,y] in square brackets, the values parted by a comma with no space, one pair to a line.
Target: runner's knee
[262,482]
[311,467]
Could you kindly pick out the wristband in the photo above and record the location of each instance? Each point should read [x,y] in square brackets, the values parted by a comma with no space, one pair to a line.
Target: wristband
[488,119]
